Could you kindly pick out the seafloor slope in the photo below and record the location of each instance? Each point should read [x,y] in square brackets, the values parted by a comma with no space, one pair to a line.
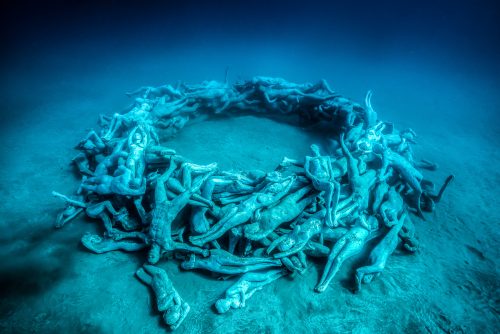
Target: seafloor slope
[49,283]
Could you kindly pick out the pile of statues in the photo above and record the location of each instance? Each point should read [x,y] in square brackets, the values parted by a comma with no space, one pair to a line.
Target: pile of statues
[256,225]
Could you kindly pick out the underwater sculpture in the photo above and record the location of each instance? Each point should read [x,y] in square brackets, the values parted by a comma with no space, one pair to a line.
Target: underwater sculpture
[168,299]
[257,225]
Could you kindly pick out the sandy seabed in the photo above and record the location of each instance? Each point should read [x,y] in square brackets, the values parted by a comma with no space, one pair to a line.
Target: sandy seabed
[50,283]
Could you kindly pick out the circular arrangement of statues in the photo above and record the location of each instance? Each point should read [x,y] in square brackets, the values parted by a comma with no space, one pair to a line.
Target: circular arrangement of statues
[257,225]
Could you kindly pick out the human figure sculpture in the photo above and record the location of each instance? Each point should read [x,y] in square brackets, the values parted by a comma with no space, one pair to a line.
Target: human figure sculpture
[136,160]
[157,92]
[102,210]
[318,169]
[118,184]
[379,255]
[361,185]
[347,246]
[429,201]
[404,168]
[168,301]
[295,241]
[99,244]
[379,193]
[164,213]
[241,213]
[139,113]
[223,262]
[289,208]
[391,209]
[258,225]
[238,293]
[110,162]
[92,144]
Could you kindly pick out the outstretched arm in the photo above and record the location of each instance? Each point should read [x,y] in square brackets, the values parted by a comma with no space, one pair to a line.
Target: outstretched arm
[285,191]
[352,164]
[70,201]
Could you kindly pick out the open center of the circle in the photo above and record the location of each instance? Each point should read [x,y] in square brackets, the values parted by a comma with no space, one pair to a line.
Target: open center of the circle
[242,142]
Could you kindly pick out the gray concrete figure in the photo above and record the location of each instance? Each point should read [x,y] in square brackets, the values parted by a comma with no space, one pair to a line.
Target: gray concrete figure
[139,113]
[289,208]
[295,241]
[392,207]
[269,195]
[251,282]
[223,262]
[408,173]
[99,244]
[120,183]
[347,246]
[136,159]
[168,301]
[164,213]
[379,255]
[361,185]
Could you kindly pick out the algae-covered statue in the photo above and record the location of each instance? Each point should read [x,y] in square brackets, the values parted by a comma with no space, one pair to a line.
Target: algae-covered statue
[257,225]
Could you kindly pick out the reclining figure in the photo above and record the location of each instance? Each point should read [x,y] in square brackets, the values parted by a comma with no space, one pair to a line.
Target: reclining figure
[168,300]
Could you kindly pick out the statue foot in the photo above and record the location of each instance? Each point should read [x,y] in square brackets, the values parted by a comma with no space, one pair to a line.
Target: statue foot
[154,254]
[99,245]
[320,288]
[189,264]
[175,316]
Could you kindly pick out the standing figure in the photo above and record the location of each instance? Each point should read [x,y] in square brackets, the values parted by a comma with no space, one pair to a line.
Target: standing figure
[136,160]
[318,168]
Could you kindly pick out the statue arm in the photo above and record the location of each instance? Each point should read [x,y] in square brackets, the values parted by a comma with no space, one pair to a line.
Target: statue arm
[70,201]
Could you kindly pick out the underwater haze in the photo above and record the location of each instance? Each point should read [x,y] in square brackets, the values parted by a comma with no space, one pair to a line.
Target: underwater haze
[433,66]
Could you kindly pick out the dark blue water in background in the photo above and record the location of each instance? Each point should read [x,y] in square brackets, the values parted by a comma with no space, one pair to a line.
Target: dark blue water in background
[433,66]
[158,42]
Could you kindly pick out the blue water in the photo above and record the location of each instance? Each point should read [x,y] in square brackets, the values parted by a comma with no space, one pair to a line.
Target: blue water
[433,66]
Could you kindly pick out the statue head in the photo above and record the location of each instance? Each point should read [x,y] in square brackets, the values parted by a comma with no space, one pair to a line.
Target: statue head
[137,137]
[315,149]
[251,229]
[154,254]
[223,305]
[172,315]
[274,176]
[392,217]
[378,148]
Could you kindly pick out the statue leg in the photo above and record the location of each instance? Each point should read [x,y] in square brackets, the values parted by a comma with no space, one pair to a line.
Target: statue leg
[160,189]
[143,276]
[235,235]
[217,230]
[82,163]
[141,211]
[116,123]
[188,169]
[191,249]
[362,272]
[101,245]
[325,278]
